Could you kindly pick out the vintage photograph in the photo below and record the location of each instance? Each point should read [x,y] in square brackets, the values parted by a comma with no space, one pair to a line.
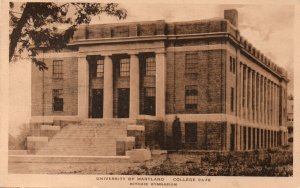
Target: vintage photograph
[151,89]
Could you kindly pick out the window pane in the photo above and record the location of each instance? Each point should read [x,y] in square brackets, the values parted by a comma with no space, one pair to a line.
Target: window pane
[191,63]
[191,97]
[124,67]
[58,101]
[57,69]
[100,68]
[150,66]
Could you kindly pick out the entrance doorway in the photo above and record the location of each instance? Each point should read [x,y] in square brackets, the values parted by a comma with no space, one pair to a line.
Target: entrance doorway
[97,103]
[123,103]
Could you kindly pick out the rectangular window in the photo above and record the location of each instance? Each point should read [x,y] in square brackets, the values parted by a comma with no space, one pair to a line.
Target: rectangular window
[232,65]
[57,69]
[58,101]
[100,68]
[125,67]
[191,97]
[150,92]
[232,100]
[150,66]
[191,63]
[149,101]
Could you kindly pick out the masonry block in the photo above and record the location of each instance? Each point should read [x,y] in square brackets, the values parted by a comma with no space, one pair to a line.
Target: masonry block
[124,144]
[49,131]
[139,155]
[137,131]
[34,143]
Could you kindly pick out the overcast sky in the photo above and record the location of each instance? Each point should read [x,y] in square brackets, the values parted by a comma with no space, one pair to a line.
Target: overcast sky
[268,27]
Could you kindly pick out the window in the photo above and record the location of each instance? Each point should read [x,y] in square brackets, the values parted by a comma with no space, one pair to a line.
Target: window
[100,68]
[150,66]
[124,67]
[232,65]
[149,101]
[232,99]
[191,63]
[57,69]
[58,101]
[150,92]
[191,97]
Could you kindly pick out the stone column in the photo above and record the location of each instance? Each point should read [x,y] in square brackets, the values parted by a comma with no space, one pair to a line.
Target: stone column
[246,93]
[83,87]
[238,138]
[160,84]
[241,89]
[258,98]
[250,96]
[108,88]
[254,98]
[134,101]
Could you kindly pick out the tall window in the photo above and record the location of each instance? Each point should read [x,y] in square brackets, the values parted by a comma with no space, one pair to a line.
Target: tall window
[124,67]
[57,69]
[232,99]
[58,101]
[100,68]
[232,65]
[149,101]
[150,66]
[191,97]
[191,63]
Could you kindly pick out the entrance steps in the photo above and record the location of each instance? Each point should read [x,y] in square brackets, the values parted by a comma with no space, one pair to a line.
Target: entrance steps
[88,138]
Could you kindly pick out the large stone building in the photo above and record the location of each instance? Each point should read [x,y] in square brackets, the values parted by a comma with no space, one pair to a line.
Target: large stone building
[226,93]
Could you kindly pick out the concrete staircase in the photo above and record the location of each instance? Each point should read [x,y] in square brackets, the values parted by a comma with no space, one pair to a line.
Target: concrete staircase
[88,138]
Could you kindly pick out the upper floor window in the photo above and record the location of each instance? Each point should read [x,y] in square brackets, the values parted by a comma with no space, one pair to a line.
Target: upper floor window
[125,67]
[232,65]
[150,66]
[232,99]
[58,101]
[57,69]
[100,68]
[191,63]
[191,97]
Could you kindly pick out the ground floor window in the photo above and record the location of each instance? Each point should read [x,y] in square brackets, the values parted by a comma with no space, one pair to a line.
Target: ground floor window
[149,101]
[190,133]
[58,101]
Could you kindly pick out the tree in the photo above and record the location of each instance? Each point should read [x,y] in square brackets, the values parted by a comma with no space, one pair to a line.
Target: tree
[45,26]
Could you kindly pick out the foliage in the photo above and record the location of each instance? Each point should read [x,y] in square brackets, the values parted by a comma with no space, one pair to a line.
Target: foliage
[36,25]
[276,162]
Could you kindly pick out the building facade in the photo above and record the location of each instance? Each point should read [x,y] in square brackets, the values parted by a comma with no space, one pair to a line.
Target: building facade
[226,93]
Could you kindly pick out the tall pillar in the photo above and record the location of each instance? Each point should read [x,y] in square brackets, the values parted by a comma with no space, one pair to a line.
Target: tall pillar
[241,89]
[254,98]
[108,88]
[250,95]
[83,87]
[238,139]
[160,84]
[258,98]
[246,93]
[134,99]
[262,101]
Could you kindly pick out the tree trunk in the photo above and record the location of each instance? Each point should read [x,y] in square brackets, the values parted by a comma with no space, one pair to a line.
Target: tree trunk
[16,33]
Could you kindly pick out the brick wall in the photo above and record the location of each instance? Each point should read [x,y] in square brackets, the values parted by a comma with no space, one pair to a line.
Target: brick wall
[210,80]
[43,84]
[210,136]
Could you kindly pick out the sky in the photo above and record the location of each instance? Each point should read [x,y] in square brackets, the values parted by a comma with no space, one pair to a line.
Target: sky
[268,27]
